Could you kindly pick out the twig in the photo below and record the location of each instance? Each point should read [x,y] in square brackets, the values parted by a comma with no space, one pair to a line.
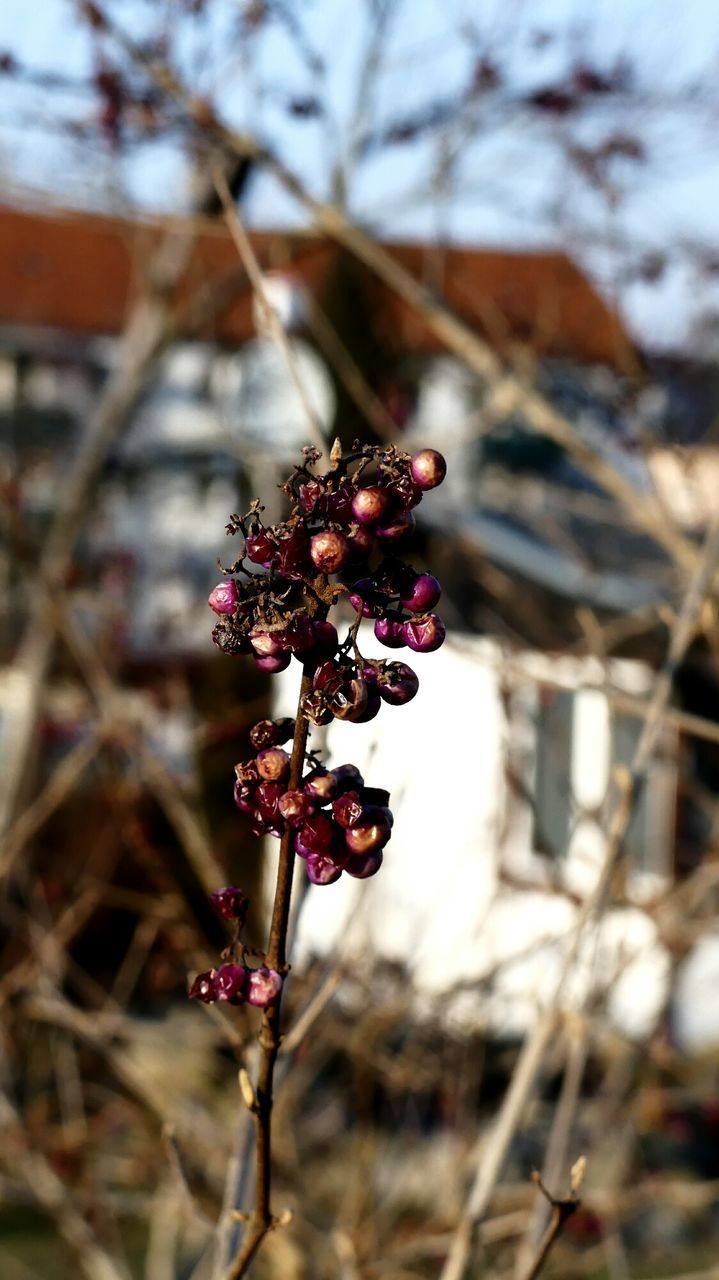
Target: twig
[59,785]
[319,1001]
[236,229]
[577,1033]
[48,1191]
[561,1210]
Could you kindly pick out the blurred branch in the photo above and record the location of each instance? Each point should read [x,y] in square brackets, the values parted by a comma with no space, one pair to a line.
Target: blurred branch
[49,1192]
[577,1034]
[561,1210]
[61,782]
[270,316]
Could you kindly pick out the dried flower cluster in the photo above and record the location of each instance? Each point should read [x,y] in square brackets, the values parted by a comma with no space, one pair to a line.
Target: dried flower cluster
[273,605]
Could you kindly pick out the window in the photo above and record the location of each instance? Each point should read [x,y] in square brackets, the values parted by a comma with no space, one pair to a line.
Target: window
[553,802]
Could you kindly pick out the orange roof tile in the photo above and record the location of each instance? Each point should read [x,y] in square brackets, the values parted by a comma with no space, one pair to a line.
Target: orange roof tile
[79,272]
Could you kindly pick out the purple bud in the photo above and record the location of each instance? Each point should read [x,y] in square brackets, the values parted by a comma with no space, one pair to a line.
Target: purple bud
[292,552]
[321,869]
[271,733]
[272,665]
[231,983]
[375,795]
[360,541]
[323,642]
[245,797]
[399,527]
[320,835]
[267,644]
[364,865]
[310,494]
[296,807]
[260,549]
[230,903]
[347,809]
[348,778]
[407,493]
[321,785]
[428,468]
[273,764]
[297,634]
[371,505]
[329,551]
[365,598]
[374,702]
[423,594]
[400,684]
[371,831]
[390,633]
[350,701]
[267,801]
[338,505]
[203,988]
[425,634]
[328,676]
[263,987]
[224,597]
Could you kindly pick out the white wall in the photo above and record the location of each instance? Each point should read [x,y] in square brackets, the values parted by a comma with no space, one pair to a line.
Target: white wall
[438,904]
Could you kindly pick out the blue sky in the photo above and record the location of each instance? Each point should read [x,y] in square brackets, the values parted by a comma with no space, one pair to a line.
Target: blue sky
[512,183]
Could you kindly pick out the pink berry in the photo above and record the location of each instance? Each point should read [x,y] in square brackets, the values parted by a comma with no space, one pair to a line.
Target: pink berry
[203,988]
[400,684]
[231,983]
[273,764]
[329,551]
[423,593]
[322,870]
[398,527]
[390,633]
[296,807]
[425,634]
[267,644]
[272,665]
[371,505]
[428,468]
[260,549]
[363,865]
[230,903]
[321,785]
[263,987]
[224,597]
[371,831]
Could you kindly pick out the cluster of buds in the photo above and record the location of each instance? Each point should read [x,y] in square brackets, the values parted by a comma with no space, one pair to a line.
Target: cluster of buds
[321,553]
[234,981]
[338,543]
[339,823]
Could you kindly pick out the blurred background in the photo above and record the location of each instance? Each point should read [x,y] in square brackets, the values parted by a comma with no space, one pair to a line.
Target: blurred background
[491,229]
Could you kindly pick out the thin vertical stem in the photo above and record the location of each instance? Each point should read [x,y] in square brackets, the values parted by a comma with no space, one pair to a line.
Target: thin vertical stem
[269,1038]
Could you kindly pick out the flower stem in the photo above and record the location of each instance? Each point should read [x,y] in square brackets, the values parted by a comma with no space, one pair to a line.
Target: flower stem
[269,1038]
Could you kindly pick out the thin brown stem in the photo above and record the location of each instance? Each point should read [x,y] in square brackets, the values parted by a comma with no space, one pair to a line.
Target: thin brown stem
[270,1039]
[561,1210]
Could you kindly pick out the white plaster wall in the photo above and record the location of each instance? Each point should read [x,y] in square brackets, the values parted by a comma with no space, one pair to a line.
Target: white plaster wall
[437,904]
